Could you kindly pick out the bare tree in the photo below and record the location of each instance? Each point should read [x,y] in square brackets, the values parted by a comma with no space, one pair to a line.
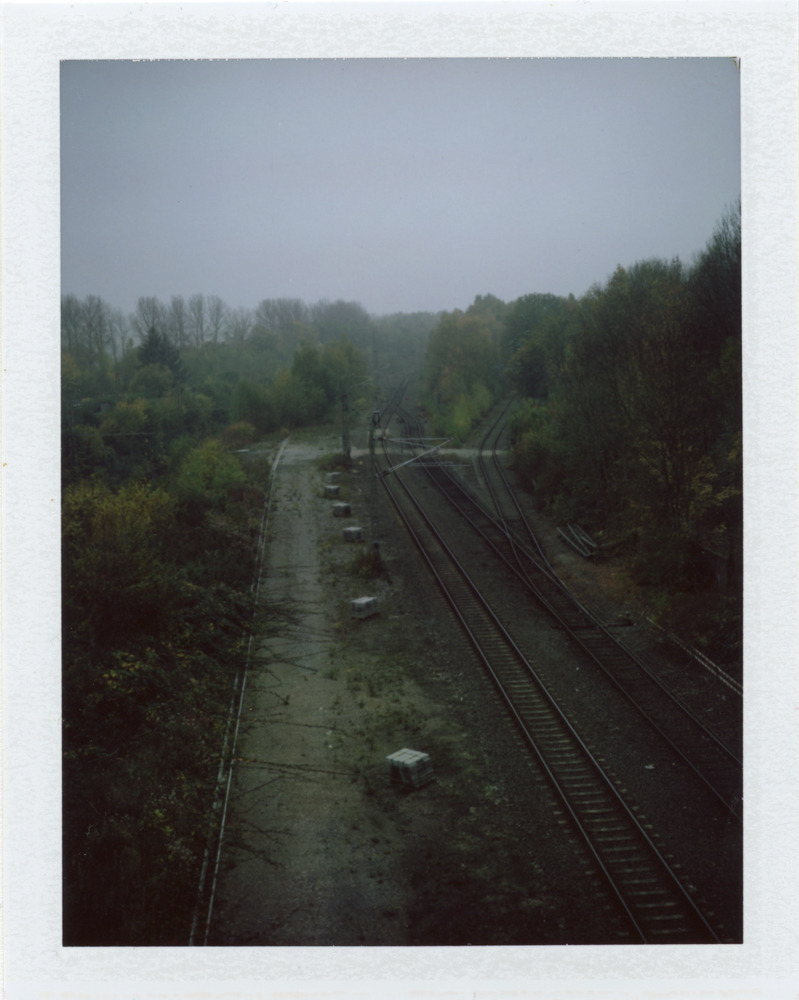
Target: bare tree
[71,315]
[265,314]
[150,313]
[197,319]
[97,329]
[119,340]
[280,315]
[177,321]
[240,322]
[217,315]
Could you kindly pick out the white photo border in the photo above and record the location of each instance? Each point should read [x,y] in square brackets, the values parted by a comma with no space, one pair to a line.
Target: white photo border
[35,39]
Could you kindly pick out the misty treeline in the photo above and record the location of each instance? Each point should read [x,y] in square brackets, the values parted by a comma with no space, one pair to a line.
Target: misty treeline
[161,511]
[134,386]
[630,421]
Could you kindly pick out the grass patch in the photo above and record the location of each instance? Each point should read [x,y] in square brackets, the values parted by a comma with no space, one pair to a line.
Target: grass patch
[367,564]
[334,462]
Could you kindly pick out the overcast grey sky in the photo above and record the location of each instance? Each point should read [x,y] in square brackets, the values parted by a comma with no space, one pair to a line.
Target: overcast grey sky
[408,184]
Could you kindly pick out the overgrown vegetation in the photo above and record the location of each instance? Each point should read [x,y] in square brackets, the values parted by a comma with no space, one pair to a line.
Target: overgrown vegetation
[157,612]
[191,367]
[629,419]
[162,500]
[464,367]
[367,564]
[631,424]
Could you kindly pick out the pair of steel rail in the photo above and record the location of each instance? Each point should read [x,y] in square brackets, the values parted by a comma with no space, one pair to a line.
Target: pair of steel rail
[712,759]
[656,905]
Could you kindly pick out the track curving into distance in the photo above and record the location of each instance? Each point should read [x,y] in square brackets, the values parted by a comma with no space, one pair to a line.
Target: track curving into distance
[654,904]
[506,530]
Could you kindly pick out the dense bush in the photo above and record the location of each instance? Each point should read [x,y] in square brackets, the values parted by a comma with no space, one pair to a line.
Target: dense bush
[639,433]
[463,366]
[160,531]
[156,616]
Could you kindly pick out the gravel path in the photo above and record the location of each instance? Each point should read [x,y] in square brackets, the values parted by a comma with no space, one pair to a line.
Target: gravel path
[296,794]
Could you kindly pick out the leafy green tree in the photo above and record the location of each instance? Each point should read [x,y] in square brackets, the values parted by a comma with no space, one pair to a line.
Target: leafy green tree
[642,426]
[155,349]
[153,634]
[343,365]
[537,328]
[715,287]
[334,320]
[488,306]
[208,473]
[630,408]
[463,368]
[151,381]
[309,374]
[253,404]
[715,291]
[400,340]
[237,435]
[115,579]
[288,400]
[88,451]
[127,427]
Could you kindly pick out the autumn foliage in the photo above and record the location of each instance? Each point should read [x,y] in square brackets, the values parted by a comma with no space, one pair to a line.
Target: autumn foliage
[634,427]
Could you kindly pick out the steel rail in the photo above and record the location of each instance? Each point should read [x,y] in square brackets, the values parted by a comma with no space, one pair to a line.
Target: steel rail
[616,640]
[584,628]
[510,492]
[575,758]
[718,672]
[602,646]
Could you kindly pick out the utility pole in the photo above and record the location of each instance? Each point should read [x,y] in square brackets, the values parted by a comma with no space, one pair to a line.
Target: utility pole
[345,436]
[375,539]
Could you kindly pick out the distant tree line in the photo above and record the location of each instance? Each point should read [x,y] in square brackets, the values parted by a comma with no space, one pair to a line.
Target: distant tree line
[134,386]
[630,419]
[464,366]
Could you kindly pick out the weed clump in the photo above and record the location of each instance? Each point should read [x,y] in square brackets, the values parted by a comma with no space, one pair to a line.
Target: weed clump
[368,565]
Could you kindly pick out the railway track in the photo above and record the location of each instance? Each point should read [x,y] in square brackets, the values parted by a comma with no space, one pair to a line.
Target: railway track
[654,904]
[506,530]
[510,511]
